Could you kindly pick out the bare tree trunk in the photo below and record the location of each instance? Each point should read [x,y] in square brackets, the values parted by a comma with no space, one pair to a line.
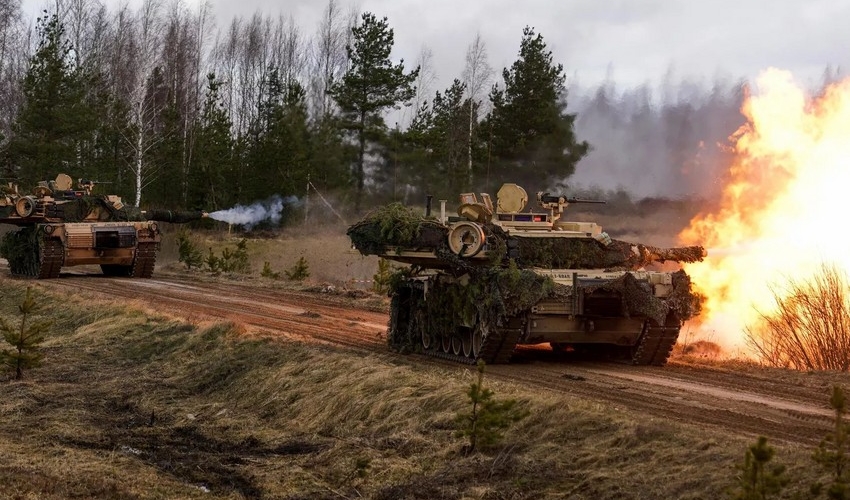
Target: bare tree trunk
[147,40]
[360,174]
[328,59]
[477,75]
[425,81]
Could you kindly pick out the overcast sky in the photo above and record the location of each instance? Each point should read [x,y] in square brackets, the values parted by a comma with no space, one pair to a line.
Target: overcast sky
[635,41]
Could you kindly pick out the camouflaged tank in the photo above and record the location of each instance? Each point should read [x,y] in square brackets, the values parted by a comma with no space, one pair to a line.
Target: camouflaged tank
[497,276]
[62,225]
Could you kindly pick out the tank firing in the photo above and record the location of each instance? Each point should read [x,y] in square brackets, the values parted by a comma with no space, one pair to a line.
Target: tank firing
[63,225]
[496,276]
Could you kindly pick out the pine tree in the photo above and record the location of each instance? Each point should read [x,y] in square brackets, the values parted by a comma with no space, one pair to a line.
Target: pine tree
[756,481]
[832,451]
[432,154]
[528,127]
[212,162]
[371,85]
[163,148]
[484,424]
[24,339]
[279,146]
[55,118]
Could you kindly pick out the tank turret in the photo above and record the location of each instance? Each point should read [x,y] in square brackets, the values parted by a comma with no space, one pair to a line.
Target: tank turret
[63,225]
[498,275]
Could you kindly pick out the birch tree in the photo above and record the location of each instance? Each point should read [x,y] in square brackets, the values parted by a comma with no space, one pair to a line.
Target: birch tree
[328,58]
[145,44]
[477,76]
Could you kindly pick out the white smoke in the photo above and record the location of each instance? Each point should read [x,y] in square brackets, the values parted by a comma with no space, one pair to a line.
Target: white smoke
[251,215]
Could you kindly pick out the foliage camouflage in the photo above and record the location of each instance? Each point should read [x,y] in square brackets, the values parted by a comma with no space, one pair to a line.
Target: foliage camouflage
[490,294]
[638,300]
[395,225]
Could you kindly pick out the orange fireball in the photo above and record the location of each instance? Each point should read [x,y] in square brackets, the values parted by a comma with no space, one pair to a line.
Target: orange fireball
[782,212]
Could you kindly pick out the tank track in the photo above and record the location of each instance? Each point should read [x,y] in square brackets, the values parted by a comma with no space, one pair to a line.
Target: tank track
[145,261]
[47,263]
[51,258]
[498,348]
[657,343]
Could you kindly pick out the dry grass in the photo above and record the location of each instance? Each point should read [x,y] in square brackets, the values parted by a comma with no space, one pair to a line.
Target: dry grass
[130,405]
[327,250]
[810,327]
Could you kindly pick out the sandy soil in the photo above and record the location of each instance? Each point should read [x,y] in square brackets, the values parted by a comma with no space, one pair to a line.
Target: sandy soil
[782,405]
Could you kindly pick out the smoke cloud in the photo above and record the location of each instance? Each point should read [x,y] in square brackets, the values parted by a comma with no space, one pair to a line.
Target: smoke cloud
[249,216]
[667,142]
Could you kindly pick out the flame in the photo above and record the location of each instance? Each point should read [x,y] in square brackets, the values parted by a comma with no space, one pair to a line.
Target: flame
[782,212]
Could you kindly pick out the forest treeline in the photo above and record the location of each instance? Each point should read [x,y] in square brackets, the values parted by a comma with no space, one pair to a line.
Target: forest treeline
[174,111]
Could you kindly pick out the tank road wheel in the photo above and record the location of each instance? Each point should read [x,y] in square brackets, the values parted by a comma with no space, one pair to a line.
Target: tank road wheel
[426,339]
[479,334]
[457,344]
[446,343]
[419,325]
[466,342]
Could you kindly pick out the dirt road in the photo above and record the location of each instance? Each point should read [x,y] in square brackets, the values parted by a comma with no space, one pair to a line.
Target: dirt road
[785,406]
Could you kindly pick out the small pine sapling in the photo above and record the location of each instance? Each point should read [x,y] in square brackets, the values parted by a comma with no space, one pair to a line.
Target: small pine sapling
[25,339]
[756,481]
[268,273]
[382,279]
[832,451]
[300,271]
[213,263]
[488,418]
[188,252]
[230,261]
[235,261]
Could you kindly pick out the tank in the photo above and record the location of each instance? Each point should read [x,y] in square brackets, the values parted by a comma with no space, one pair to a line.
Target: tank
[497,276]
[65,225]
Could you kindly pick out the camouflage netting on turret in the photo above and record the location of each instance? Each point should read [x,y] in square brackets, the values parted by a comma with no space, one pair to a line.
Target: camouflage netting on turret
[638,299]
[586,253]
[397,226]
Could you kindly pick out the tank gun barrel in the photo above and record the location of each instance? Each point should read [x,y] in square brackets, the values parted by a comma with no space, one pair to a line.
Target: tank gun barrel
[174,216]
[548,198]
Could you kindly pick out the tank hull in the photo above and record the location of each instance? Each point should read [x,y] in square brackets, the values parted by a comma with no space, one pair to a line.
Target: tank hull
[121,248]
[432,315]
